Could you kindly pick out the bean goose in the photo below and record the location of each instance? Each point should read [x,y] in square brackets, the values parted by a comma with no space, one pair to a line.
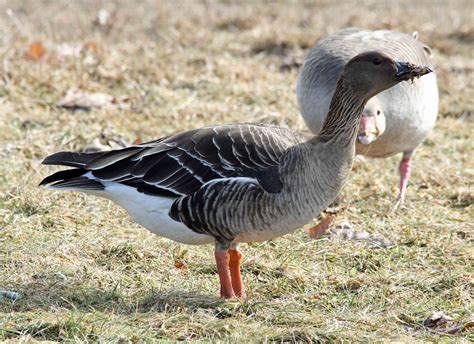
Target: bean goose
[235,183]
[394,121]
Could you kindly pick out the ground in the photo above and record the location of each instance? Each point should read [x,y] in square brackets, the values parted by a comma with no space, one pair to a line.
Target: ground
[86,272]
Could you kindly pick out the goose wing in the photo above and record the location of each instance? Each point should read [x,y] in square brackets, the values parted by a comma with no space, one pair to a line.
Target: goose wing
[180,164]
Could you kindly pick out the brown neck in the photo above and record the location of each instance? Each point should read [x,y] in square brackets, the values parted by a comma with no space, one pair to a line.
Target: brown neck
[342,120]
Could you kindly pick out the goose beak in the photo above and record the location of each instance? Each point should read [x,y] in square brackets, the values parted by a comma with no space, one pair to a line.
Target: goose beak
[409,71]
[366,138]
[367,130]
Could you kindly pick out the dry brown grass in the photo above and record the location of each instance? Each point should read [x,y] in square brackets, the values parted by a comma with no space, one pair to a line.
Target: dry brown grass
[87,273]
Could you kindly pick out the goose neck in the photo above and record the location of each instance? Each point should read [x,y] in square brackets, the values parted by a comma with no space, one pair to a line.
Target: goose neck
[342,120]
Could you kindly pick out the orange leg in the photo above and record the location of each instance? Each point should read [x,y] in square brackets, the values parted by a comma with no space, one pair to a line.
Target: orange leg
[234,266]
[222,262]
[318,230]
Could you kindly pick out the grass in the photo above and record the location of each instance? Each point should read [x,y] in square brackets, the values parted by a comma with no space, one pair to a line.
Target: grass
[87,273]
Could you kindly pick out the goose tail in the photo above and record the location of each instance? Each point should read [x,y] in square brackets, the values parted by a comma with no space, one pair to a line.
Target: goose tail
[77,178]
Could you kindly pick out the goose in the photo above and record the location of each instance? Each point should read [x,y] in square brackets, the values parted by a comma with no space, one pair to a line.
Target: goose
[394,121]
[235,183]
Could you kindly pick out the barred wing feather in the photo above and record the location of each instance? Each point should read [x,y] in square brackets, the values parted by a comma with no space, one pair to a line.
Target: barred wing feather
[179,165]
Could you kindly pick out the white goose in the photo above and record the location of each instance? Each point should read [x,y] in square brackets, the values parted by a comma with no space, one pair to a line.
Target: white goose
[394,121]
[235,183]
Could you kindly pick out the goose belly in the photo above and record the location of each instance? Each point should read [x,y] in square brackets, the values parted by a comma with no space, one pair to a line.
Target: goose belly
[265,235]
[410,113]
[151,212]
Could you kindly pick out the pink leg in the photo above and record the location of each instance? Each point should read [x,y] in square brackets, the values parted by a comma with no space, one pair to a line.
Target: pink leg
[405,169]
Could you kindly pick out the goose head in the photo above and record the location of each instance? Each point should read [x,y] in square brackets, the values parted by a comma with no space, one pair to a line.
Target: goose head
[372,72]
[364,76]
[372,122]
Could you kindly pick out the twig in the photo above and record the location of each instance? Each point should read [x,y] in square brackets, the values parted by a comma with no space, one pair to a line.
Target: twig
[358,322]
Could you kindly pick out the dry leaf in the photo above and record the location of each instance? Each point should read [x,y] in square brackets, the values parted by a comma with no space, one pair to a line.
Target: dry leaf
[469,326]
[76,99]
[436,319]
[92,47]
[35,51]
[320,229]
[178,264]
[106,141]
[440,322]
[95,146]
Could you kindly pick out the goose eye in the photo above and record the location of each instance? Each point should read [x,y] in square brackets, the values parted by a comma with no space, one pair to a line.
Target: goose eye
[377,61]
[378,112]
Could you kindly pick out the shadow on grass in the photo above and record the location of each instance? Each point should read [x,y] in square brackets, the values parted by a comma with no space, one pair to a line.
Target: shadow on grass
[171,301]
[34,297]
